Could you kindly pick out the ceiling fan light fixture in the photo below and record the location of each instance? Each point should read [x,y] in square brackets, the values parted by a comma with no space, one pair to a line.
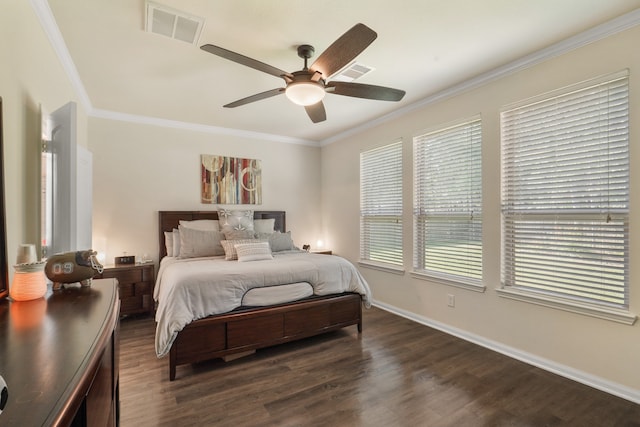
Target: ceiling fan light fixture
[305,93]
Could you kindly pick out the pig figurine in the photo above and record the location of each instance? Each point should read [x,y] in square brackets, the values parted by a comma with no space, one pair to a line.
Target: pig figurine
[72,267]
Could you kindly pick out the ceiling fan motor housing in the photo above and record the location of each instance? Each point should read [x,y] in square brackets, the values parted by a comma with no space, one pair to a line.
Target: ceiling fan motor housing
[305,51]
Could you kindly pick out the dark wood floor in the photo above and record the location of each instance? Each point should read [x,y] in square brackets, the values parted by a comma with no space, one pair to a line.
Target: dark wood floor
[397,373]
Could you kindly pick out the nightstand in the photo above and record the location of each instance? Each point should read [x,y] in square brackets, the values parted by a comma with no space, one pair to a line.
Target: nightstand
[135,283]
[326,252]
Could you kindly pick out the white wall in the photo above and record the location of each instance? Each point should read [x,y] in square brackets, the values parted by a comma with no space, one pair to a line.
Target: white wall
[142,169]
[596,351]
[31,77]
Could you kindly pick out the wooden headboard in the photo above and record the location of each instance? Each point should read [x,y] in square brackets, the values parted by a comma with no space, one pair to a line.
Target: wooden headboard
[168,220]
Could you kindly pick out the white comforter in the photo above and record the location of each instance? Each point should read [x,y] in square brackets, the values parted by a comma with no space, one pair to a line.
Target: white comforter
[191,289]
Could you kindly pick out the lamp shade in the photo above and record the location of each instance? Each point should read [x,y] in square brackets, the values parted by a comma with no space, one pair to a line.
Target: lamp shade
[305,93]
[29,282]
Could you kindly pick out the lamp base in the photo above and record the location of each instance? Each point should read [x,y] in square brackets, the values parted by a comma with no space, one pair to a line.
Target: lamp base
[28,282]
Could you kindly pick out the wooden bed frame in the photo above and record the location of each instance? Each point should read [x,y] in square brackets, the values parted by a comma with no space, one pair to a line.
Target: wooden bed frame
[250,328]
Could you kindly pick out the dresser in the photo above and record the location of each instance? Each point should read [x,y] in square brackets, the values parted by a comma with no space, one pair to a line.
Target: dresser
[59,356]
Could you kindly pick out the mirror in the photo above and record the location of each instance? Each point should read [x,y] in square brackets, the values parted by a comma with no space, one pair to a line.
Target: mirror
[4,272]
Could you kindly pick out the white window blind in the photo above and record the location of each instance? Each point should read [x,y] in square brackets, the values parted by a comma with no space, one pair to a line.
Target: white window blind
[565,194]
[448,203]
[381,204]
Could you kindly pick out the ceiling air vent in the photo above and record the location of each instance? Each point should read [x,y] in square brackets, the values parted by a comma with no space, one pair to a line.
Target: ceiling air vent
[351,72]
[173,23]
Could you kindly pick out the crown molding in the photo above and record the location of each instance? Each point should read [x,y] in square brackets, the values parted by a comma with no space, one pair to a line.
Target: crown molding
[50,27]
[47,20]
[175,124]
[616,25]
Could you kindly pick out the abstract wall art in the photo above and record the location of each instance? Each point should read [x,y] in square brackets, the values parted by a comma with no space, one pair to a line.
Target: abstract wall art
[230,180]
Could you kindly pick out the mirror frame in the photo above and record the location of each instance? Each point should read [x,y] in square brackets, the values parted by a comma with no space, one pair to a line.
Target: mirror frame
[4,269]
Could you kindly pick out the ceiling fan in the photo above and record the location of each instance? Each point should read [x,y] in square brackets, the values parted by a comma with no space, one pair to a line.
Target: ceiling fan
[308,86]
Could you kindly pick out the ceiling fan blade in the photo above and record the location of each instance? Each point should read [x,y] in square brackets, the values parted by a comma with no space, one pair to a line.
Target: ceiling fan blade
[316,112]
[344,50]
[244,60]
[256,97]
[359,90]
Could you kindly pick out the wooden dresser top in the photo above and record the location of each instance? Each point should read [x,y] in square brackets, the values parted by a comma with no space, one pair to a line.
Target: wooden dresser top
[48,347]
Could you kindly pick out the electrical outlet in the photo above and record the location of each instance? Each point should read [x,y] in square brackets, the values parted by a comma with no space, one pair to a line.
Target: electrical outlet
[451,300]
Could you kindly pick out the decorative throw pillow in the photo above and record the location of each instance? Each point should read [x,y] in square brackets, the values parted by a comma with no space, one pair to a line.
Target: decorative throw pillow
[201,224]
[168,242]
[281,242]
[264,225]
[253,251]
[199,243]
[235,219]
[230,253]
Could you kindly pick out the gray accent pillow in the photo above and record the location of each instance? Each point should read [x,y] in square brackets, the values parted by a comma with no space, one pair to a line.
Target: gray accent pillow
[238,234]
[201,224]
[199,243]
[281,242]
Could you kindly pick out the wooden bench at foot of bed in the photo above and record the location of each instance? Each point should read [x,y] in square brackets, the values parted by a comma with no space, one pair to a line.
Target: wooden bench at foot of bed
[250,329]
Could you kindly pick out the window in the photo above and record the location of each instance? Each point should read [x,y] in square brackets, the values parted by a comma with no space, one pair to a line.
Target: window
[565,195]
[448,203]
[381,205]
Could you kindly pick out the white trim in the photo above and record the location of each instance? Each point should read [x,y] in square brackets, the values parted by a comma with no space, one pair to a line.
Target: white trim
[616,25]
[476,287]
[622,391]
[50,27]
[614,315]
[146,120]
[592,35]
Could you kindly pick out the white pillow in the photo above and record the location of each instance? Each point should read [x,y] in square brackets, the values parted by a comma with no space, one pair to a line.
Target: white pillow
[264,225]
[199,243]
[235,219]
[201,224]
[168,242]
[253,251]
[176,242]
[230,253]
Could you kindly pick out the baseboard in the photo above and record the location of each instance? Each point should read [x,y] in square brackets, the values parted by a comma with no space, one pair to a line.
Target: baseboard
[582,377]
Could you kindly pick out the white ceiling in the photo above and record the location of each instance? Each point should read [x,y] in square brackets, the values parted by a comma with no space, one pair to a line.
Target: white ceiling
[423,47]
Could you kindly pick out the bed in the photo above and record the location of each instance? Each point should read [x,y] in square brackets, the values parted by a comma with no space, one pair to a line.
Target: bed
[213,306]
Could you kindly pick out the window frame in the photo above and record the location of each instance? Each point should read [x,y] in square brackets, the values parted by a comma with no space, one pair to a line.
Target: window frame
[561,123]
[462,207]
[381,205]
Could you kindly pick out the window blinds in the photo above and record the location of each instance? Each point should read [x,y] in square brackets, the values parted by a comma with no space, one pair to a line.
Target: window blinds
[381,204]
[448,203]
[565,193]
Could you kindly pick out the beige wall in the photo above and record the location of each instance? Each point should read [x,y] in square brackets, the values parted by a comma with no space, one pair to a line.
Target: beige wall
[31,78]
[600,351]
[141,169]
